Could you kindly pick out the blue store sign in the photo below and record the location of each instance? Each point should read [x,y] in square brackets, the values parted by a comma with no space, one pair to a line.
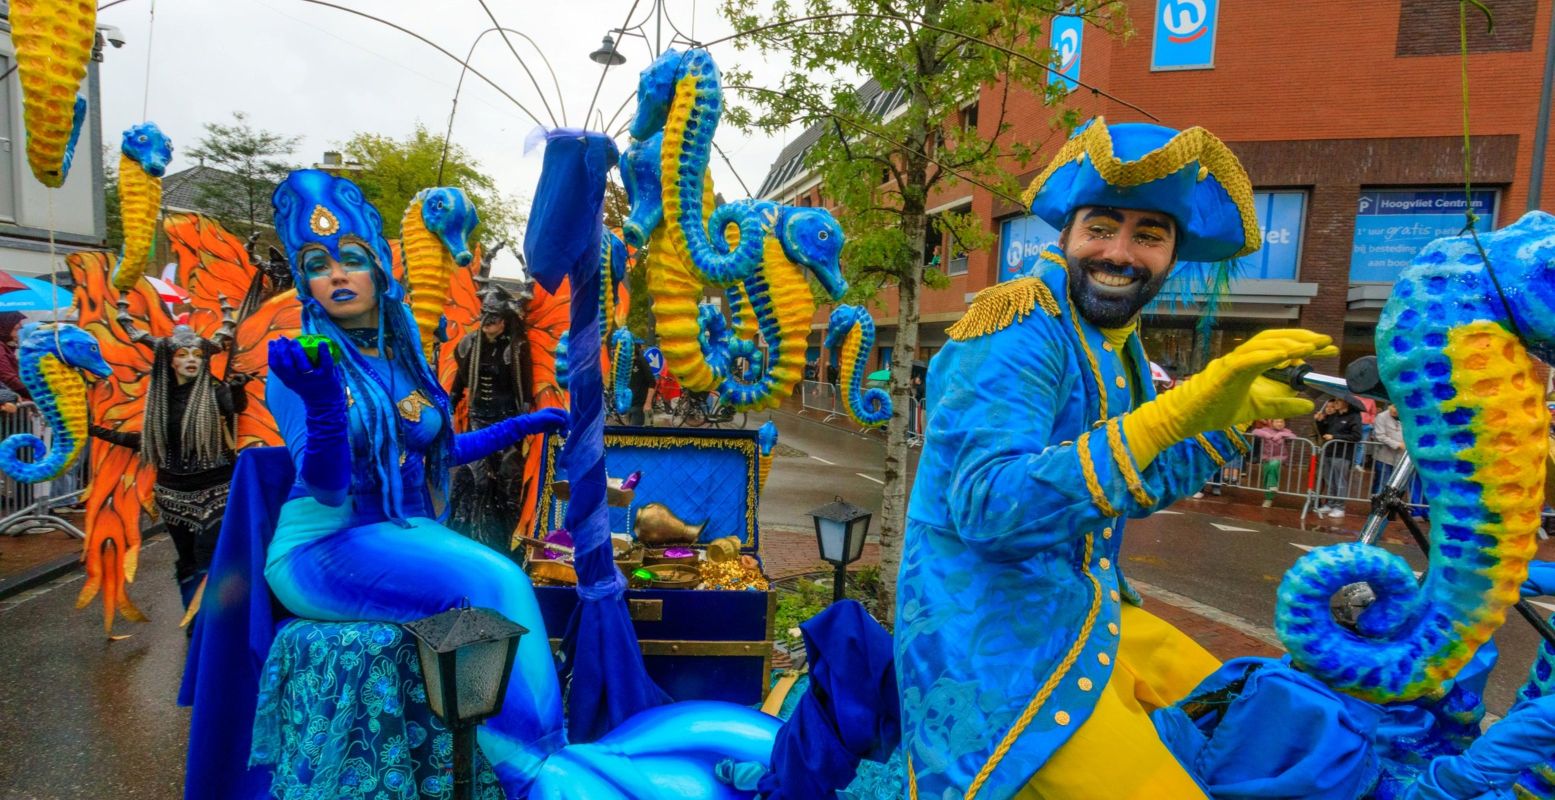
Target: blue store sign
[1184,34]
[1068,35]
[1391,227]
[1020,243]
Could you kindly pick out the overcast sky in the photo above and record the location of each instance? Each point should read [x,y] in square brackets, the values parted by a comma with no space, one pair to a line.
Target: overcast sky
[324,74]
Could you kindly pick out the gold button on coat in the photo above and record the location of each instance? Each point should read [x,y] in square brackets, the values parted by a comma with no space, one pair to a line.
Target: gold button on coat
[1112,628]
[1085,684]
[1106,564]
[1120,382]
[1104,659]
[1061,718]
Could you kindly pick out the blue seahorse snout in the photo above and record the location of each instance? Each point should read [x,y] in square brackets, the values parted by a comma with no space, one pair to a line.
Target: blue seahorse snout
[448,212]
[149,147]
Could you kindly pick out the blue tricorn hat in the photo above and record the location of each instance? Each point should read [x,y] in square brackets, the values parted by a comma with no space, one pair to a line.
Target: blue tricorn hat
[1190,175]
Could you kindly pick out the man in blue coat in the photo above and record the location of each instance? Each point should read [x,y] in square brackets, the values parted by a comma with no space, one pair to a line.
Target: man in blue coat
[1025,664]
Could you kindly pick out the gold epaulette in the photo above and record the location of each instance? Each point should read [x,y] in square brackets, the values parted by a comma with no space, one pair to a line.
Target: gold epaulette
[1000,306]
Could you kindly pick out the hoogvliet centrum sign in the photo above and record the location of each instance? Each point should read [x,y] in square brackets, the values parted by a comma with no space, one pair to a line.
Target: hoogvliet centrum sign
[1392,226]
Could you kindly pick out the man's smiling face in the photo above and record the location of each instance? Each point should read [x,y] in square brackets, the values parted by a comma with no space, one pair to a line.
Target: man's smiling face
[1118,260]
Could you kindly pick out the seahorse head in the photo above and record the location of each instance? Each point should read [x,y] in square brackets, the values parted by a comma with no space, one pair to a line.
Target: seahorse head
[842,320]
[448,213]
[149,146]
[68,343]
[644,194]
[655,92]
[766,437]
[1525,270]
[812,237]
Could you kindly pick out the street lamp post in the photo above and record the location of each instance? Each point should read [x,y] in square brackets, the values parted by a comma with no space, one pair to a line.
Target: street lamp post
[466,659]
[840,528]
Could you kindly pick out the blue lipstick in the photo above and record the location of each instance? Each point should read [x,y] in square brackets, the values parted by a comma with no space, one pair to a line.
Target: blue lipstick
[343,295]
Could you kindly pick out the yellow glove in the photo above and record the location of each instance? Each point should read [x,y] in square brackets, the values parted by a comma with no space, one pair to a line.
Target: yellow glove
[1230,391]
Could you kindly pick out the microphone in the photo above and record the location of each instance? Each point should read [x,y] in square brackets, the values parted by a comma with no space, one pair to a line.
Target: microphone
[1360,379]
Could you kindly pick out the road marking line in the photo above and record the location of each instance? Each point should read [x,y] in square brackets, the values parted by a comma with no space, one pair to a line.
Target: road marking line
[1165,511]
[824,461]
[1233,528]
[1259,632]
[870,478]
[1545,606]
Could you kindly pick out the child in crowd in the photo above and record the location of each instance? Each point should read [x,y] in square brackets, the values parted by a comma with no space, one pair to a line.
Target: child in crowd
[1274,437]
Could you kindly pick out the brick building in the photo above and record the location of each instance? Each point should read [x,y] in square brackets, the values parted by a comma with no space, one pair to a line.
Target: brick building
[1347,116]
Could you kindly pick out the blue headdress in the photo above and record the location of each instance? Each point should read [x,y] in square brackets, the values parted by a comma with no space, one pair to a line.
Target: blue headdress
[316,208]
[1190,175]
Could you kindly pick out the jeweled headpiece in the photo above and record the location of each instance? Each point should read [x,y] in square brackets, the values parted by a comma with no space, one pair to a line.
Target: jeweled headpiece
[1189,174]
[316,208]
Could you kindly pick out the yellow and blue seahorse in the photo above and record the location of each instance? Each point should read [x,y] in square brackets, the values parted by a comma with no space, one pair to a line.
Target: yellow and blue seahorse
[143,157]
[622,346]
[774,299]
[436,237]
[48,357]
[54,41]
[853,330]
[1453,346]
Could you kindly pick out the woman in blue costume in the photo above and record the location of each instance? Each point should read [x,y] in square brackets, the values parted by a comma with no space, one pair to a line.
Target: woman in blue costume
[369,432]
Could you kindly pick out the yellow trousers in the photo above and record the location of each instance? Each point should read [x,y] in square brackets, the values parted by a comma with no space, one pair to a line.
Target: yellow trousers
[1116,754]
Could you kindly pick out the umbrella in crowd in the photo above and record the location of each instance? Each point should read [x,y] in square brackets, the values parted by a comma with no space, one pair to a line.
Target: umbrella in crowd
[35,295]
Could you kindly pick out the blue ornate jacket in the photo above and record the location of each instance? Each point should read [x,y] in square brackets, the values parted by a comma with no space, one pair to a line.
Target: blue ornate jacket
[1009,592]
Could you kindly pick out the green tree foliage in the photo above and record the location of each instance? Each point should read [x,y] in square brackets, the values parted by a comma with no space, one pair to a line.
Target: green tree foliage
[113,215]
[394,170]
[252,161]
[881,169]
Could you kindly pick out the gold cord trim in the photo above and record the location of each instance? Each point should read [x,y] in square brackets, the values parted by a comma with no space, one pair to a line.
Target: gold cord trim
[1082,448]
[1188,146]
[1101,386]
[1236,441]
[1136,485]
[1052,681]
[1002,305]
[1214,455]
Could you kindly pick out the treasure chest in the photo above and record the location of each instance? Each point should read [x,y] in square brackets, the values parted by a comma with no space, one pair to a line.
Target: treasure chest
[697,643]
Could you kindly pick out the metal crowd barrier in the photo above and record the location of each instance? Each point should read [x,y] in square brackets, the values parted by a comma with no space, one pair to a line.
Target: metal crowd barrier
[34,507]
[823,398]
[1246,472]
[917,422]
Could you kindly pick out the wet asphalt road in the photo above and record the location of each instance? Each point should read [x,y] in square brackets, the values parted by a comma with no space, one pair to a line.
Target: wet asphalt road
[81,716]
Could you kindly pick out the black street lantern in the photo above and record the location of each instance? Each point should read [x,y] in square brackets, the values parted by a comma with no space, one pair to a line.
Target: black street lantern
[607,53]
[466,658]
[840,528]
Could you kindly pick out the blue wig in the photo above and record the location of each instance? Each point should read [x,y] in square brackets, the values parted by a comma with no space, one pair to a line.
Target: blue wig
[316,208]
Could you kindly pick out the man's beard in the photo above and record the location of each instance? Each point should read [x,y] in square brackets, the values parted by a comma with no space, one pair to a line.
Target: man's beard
[1109,307]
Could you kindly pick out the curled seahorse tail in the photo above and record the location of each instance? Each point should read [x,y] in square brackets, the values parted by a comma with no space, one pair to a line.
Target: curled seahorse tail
[53,40]
[140,197]
[1471,406]
[871,408]
[428,270]
[11,450]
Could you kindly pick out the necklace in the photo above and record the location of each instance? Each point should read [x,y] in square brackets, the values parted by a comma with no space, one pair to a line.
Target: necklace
[362,338]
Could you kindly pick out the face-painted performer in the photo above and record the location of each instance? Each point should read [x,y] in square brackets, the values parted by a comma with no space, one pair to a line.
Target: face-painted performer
[1024,661]
[188,437]
[370,435]
[491,368]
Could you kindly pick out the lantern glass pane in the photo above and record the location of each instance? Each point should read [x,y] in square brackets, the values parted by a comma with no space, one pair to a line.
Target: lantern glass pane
[833,536]
[431,671]
[857,529]
[479,676]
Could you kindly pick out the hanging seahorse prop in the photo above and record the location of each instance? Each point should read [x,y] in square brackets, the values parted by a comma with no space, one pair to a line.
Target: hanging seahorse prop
[622,347]
[49,356]
[697,347]
[563,366]
[852,329]
[143,157]
[53,40]
[766,442]
[435,236]
[1453,347]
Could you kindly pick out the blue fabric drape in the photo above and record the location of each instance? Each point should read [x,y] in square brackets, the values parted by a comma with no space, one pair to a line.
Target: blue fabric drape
[233,634]
[849,714]
[562,241]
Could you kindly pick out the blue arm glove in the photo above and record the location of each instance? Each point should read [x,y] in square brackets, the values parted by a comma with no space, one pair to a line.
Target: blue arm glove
[476,445]
[1541,579]
[1522,740]
[325,462]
